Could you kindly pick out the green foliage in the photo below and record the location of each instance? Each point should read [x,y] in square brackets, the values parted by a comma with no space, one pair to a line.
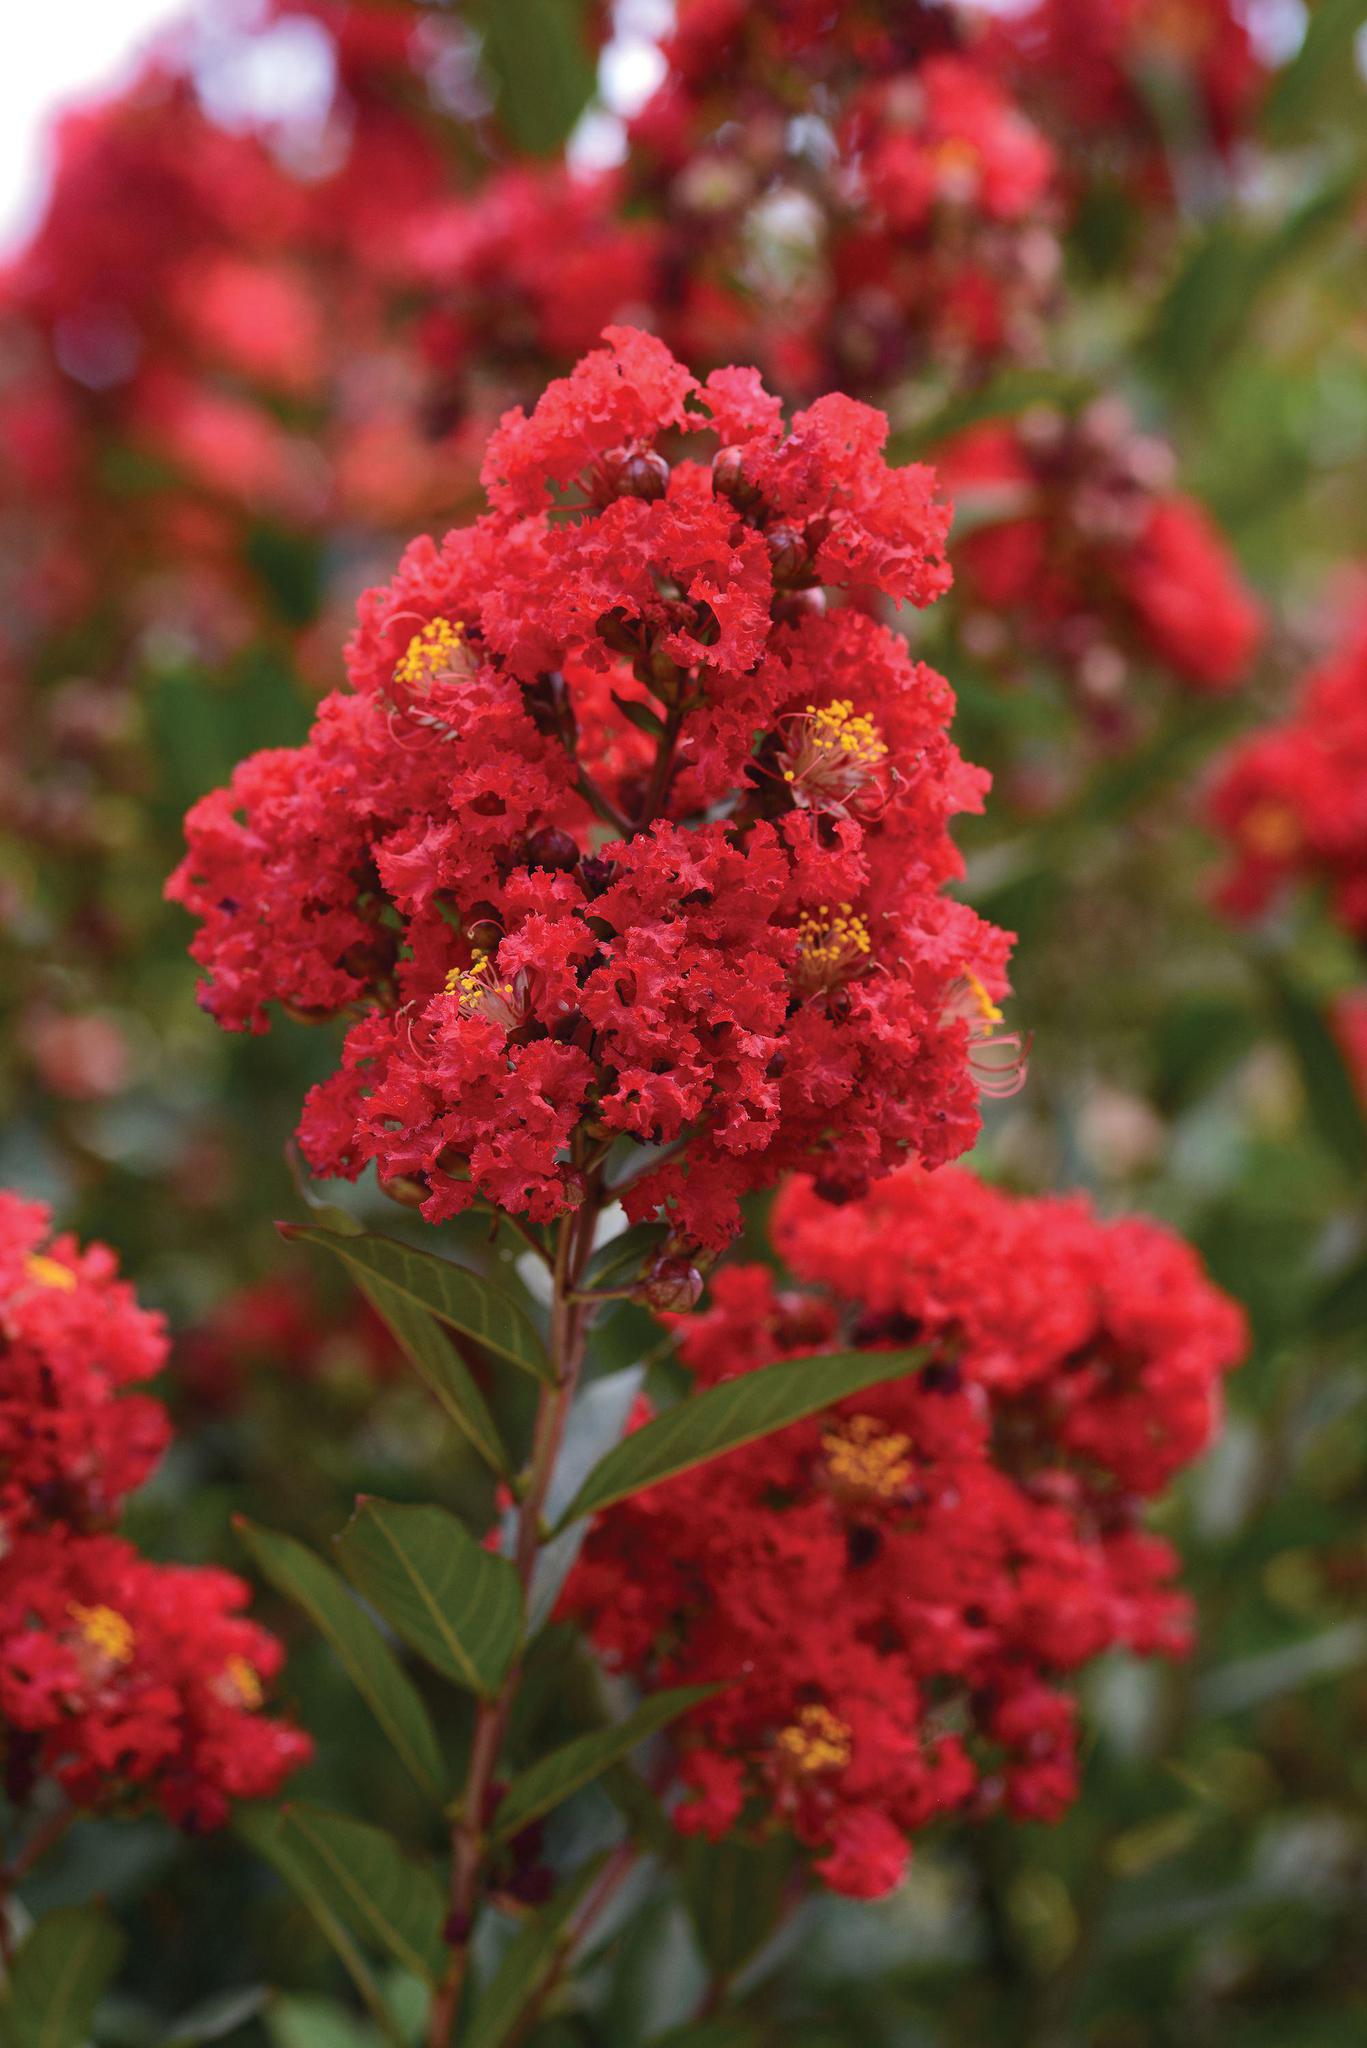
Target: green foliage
[55,1981]
[454,1295]
[737,1412]
[358,1885]
[457,1604]
[556,1777]
[361,1650]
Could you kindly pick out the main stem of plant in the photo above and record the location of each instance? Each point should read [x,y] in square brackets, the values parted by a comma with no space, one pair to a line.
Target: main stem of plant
[569,1323]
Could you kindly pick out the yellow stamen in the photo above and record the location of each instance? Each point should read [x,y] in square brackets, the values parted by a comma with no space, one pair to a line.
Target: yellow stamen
[837,728]
[106,1630]
[243,1682]
[49,1272]
[430,653]
[1271,829]
[864,1458]
[816,1741]
[987,1009]
[831,944]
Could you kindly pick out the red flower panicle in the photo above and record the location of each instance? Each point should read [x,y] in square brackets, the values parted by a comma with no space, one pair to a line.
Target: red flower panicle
[1087,557]
[119,1678]
[622,831]
[890,1594]
[1292,799]
[125,1680]
[73,1440]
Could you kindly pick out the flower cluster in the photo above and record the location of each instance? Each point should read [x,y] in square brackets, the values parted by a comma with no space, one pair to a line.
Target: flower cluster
[623,831]
[1082,553]
[1292,799]
[1098,77]
[890,1594]
[120,1679]
[281,1326]
[846,233]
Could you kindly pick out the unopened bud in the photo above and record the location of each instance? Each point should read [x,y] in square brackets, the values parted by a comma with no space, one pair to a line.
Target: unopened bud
[552,848]
[671,1287]
[788,556]
[635,473]
[403,1189]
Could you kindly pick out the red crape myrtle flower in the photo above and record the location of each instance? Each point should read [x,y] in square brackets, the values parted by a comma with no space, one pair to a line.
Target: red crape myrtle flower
[1086,556]
[890,1594]
[1292,799]
[123,1680]
[73,1441]
[119,1678]
[846,233]
[1089,70]
[623,830]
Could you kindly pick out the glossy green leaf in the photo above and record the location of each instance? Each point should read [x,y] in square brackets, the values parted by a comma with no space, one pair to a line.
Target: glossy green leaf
[355,1875]
[360,1649]
[554,1778]
[737,1412]
[538,54]
[453,1294]
[1341,1308]
[434,1357]
[457,1604]
[1326,51]
[1329,1090]
[56,1980]
[524,1967]
[735,1894]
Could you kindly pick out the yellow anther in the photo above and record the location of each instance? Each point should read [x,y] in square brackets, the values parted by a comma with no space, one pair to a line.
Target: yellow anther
[1270,829]
[987,1009]
[817,1741]
[865,1458]
[829,947]
[831,756]
[837,728]
[481,992]
[49,1272]
[106,1631]
[430,653]
[242,1681]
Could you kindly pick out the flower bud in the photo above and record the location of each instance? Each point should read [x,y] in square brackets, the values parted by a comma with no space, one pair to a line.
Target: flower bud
[403,1189]
[552,848]
[672,1287]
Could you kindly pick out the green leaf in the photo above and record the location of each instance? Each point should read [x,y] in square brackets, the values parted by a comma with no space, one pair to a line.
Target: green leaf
[551,1781]
[215,2018]
[57,1977]
[356,1876]
[737,1412]
[538,55]
[316,2023]
[641,716]
[1007,395]
[735,1894]
[360,1649]
[1329,1089]
[629,1249]
[430,1351]
[1326,52]
[457,1604]
[1341,1308]
[524,1967]
[454,1295]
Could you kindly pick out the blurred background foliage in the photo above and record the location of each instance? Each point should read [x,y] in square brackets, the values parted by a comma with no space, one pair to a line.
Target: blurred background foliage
[1210,1887]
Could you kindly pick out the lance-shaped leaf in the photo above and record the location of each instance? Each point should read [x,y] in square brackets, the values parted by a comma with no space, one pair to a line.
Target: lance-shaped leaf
[348,1872]
[453,1294]
[457,1604]
[737,1412]
[434,1357]
[734,1892]
[360,1649]
[524,1967]
[57,1977]
[550,1781]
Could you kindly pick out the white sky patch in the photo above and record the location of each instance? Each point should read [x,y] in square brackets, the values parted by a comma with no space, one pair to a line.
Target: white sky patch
[56,56]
